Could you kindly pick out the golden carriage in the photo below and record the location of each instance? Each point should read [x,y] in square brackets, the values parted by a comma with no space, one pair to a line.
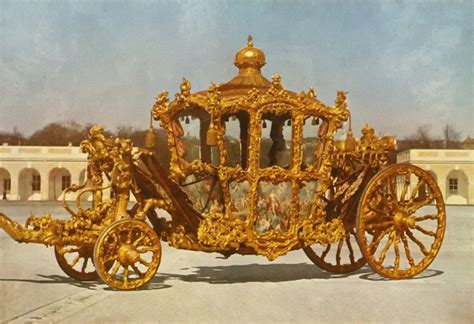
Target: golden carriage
[282,182]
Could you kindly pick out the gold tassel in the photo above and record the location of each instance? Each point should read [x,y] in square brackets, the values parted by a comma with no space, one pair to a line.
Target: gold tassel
[150,139]
[350,143]
[211,136]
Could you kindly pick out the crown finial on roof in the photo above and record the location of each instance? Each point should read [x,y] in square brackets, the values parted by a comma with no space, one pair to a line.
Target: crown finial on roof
[250,57]
[250,41]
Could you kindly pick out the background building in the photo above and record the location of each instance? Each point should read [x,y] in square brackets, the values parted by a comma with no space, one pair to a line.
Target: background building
[452,169]
[40,172]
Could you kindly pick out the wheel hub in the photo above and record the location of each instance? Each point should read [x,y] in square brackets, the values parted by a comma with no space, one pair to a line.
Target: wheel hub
[128,255]
[402,221]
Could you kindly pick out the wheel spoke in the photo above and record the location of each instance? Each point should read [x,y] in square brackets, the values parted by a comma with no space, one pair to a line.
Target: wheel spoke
[406,183]
[115,269]
[138,240]
[125,275]
[424,231]
[143,249]
[416,189]
[70,250]
[377,210]
[338,252]
[84,265]
[379,225]
[376,240]
[385,248]
[414,239]
[115,238]
[422,218]
[415,206]
[407,250]
[110,259]
[326,251]
[397,253]
[75,261]
[349,246]
[145,263]
[393,188]
[137,271]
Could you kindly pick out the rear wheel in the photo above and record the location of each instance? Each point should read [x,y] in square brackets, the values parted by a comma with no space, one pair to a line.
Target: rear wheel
[401,221]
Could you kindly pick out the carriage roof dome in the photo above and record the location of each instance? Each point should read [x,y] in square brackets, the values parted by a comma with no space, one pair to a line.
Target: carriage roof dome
[249,60]
[249,56]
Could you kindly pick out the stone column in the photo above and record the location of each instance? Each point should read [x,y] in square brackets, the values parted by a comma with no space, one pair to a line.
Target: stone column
[44,184]
[14,190]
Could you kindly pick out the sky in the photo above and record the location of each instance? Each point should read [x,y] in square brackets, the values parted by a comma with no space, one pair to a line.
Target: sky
[404,64]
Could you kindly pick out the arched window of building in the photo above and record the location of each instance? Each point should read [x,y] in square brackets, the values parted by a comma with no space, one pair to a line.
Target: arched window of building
[457,187]
[59,180]
[5,183]
[29,184]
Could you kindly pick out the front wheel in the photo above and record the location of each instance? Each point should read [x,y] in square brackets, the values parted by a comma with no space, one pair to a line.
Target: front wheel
[133,251]
[401,221]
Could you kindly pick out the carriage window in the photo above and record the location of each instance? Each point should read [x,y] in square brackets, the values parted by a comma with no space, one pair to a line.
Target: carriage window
[238,192]
[236,138]
[275,145]
[204,192]
[273,206]
[189,132]
[306,198]
[312,130]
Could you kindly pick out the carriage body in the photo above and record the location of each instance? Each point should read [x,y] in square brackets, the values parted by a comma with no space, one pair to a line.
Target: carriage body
[294,188]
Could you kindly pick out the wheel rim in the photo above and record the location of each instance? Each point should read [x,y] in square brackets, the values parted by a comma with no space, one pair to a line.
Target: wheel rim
[133,249]
[76,261]
[401,221]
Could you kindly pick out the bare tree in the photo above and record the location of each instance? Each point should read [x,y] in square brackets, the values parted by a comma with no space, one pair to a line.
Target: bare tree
[451,136]
[421,139]
[14,137]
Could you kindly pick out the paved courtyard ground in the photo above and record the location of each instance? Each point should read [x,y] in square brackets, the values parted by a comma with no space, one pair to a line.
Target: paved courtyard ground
[200,287]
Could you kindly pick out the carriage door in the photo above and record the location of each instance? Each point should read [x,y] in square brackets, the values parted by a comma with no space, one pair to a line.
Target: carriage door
[273,207]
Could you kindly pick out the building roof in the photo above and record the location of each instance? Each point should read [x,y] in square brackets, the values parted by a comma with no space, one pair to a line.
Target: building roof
[469,141]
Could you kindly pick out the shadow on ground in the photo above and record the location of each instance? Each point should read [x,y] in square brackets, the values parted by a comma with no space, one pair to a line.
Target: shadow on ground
[56,279]
[253,273]
[428,273]
[233,274]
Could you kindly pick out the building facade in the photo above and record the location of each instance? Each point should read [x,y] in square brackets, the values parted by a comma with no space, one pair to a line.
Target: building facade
[452,169]
[40,172]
